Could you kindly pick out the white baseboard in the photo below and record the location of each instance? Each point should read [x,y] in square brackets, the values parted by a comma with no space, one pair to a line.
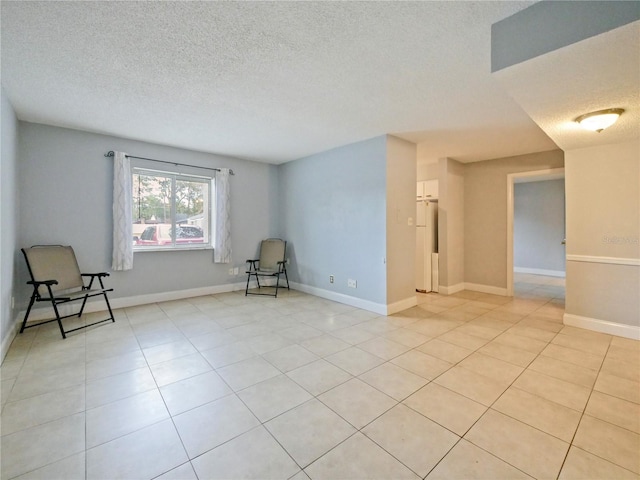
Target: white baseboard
[540,271]
[6,341]
[450,290]
[602,326]
[476,287]
[401,305]
[378,308]
[634,262]
[38,314]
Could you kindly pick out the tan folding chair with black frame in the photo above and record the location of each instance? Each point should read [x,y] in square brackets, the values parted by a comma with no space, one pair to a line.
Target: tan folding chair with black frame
[272,263]
[56,278]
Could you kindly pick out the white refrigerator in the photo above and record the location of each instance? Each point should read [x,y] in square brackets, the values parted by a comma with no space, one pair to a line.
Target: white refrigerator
[427,246]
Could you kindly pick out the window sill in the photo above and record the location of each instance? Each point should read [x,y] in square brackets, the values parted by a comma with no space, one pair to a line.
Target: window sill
[171,249]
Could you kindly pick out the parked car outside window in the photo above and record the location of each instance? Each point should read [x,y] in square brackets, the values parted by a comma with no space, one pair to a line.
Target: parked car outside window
[162,234]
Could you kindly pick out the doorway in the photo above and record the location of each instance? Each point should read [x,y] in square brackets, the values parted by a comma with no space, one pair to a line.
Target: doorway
[546,275]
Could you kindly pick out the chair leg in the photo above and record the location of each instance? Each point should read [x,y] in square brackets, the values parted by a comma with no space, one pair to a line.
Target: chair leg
[55,309]
[84,302]
[26,316]
[277,284]
[246,290]
[286,278]
[113,319]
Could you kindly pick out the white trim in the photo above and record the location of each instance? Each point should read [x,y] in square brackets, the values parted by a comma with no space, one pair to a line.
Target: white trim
[476,287]
[635,262]
[46,313]
[401,305]
[603,326]
[533,176]
[378,308]
[6,342]
[540,271]
[443,289]
[125,302]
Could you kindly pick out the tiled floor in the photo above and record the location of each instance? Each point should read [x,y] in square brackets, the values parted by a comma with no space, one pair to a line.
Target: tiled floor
[463,386]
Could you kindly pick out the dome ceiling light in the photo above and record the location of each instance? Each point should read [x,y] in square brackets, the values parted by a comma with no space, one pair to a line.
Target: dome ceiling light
[598,121]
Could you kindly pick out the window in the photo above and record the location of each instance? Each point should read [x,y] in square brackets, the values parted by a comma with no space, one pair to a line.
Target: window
[171,210]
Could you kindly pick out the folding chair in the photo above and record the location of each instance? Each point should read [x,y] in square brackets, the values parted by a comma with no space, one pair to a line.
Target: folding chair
[56,278]
[272,263]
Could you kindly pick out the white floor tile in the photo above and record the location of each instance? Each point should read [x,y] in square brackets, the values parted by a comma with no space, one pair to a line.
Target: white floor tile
[72,467]
[109,389]
[44,408]
[36,447]
[357,402]
[247,372]
[214,423]
[145,453]
[274,396]
[358,458]
[309,431]
[467,461]
[124,416]
[412,438]
[319,376]
[202,379]
[194,392]
[268,459]
[179,369]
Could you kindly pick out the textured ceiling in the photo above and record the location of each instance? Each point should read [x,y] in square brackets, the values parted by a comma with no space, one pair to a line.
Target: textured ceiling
[594,74]
[268,81]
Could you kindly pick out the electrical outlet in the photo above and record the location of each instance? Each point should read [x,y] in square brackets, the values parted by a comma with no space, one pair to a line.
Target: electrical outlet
[13,302]
[288,261]
[331,279]
[236,271]
[352,283]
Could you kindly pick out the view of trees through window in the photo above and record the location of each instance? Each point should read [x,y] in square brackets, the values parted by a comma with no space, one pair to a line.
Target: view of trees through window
[169,209]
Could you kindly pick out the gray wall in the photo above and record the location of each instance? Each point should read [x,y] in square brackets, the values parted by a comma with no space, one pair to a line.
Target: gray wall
[333,213]
[485,213]
[451,226]
[547,26]
[603,237]
[66,197]
[401,233]
[8,217]
[538,225]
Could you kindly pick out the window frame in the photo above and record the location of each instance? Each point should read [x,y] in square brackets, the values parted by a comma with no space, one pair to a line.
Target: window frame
[176,176]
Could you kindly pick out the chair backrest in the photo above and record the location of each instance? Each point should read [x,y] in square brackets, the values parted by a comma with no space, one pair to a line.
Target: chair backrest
[53,262]
[272,251]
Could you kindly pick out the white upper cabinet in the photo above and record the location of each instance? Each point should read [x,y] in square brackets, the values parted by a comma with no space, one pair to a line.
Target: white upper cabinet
[427,189]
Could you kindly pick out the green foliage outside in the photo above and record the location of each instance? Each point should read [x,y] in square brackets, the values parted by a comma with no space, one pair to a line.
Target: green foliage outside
[152,199]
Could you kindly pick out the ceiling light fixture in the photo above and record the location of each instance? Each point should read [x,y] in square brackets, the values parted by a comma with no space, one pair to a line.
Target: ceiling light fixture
[598,121]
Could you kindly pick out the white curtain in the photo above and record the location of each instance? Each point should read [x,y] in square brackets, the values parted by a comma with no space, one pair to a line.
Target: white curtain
[122,213]
[222,240]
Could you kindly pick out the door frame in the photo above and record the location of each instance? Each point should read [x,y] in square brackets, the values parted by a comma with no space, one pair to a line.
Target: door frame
[512,179]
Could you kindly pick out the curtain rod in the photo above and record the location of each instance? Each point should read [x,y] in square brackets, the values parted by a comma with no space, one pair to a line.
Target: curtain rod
[111,154]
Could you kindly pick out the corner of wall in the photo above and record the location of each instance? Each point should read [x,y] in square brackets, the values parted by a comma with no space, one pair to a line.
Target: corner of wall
[451,224]
[8,219]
